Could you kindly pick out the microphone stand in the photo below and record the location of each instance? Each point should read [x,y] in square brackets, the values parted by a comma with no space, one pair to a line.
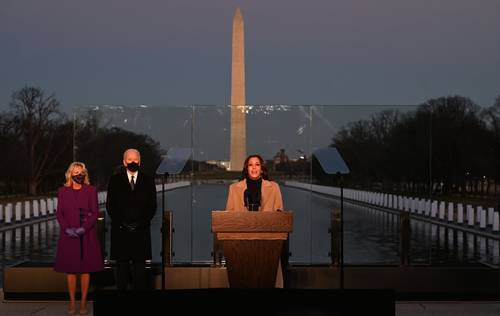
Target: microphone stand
[341,230]
[164,178]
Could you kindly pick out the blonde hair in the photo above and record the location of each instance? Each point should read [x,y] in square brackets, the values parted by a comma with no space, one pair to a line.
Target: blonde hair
[73,165]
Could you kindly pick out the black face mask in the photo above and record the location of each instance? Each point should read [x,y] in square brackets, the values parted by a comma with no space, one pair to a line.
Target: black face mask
[79,178]
[133,166]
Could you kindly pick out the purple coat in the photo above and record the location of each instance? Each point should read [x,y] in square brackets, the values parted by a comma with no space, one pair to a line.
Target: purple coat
[69,258]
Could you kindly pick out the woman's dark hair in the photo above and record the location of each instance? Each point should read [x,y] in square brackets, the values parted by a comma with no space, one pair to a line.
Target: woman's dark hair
[264,174]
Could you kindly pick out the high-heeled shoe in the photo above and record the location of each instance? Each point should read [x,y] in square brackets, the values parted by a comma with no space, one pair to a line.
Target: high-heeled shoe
[84,310]
[71,309]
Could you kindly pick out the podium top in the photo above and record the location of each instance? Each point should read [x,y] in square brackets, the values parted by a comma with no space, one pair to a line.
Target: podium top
[240,222]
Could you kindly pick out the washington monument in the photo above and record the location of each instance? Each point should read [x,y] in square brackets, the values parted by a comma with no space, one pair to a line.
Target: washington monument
[238,101]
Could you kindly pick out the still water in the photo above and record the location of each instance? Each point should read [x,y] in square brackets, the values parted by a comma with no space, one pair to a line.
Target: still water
[370,236]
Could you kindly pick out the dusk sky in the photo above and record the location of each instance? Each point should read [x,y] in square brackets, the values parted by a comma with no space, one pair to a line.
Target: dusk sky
[177,52]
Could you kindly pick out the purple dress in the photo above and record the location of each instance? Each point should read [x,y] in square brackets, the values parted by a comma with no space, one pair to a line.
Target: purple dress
[69,257]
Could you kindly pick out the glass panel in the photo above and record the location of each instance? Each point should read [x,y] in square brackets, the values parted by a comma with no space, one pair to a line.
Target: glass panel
[101,135]
[211,156]
[274,132]
[281,135]
[362,135]
[464,142]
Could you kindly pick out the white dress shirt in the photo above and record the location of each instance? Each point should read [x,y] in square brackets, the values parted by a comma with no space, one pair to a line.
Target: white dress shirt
[129,175]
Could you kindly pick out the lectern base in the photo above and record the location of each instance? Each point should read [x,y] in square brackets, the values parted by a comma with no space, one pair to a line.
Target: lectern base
[252,263]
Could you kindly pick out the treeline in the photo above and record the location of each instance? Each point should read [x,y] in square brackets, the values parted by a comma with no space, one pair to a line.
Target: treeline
[39,141]
[448,145]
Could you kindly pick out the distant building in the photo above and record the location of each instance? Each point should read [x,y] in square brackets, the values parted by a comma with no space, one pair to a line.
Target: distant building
[281,161]
[224,164]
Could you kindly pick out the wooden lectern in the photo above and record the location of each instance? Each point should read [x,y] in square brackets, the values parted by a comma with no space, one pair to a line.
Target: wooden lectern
[252,243]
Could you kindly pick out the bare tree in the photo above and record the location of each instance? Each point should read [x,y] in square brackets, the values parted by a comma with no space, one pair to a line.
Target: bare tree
[37,121]
[491,116]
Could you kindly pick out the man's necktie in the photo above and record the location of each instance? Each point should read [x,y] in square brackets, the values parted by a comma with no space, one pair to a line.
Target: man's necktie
[132,183]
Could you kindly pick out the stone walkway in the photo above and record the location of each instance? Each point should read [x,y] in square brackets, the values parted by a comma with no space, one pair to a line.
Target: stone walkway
[39,308]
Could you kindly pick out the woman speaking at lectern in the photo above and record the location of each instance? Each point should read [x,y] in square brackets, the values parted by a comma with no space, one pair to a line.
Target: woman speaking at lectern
[255,191]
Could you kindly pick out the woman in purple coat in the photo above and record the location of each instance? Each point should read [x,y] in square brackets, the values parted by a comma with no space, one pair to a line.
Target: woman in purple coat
[78,250]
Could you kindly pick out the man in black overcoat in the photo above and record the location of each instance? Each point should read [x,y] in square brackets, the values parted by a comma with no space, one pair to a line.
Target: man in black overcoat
[131,204]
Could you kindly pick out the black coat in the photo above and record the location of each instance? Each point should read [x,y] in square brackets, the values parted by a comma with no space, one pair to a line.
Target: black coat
[126,207]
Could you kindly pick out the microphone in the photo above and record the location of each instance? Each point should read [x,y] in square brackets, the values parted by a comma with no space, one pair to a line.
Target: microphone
[252,202]
[256,201]
[246,198]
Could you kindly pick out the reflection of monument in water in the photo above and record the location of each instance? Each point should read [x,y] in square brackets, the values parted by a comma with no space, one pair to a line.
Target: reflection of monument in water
[238,101]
